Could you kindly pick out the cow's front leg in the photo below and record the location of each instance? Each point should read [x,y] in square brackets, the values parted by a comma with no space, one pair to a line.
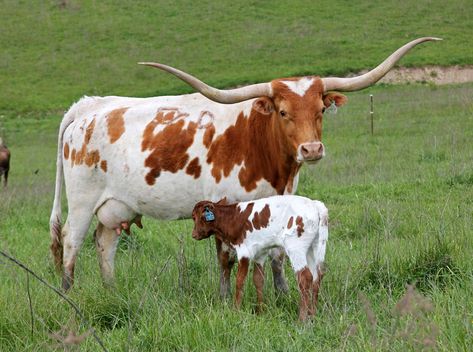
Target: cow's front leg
[277,265]
[226,261]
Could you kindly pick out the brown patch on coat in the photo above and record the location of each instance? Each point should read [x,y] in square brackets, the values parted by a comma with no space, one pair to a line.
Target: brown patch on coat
[167,115]
[194,168]
[92,158]
[290,222]
[88,131]
[103,165]
[83,155]
[168,147]
[208,136]
[300,226]
[261,219]
[257,143]
[66,151]
[116,124]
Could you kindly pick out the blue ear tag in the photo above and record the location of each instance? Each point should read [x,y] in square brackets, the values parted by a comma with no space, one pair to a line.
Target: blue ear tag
[209,216]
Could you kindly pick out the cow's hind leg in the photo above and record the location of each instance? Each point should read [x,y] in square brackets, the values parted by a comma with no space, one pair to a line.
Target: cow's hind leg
[73,234]
[106,241]
[277,265]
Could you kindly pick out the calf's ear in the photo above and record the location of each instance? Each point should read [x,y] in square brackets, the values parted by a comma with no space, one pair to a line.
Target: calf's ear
[264,105]
[222,201]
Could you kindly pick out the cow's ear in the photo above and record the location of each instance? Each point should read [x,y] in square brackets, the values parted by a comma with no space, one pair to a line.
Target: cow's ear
[264,105]
[334,97]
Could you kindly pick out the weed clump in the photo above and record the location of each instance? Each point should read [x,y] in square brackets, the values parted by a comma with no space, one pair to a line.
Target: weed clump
[408,324]
[432,266]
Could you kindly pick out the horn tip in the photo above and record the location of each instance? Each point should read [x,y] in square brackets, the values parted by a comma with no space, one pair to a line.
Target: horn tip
[430,39]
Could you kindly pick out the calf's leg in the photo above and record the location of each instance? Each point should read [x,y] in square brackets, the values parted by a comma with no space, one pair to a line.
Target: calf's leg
[277,265]
[315,288]
[304,281]
[226,262]
[258,280]
[240,280]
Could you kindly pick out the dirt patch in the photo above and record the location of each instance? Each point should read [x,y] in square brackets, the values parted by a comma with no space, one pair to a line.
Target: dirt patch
[428,74]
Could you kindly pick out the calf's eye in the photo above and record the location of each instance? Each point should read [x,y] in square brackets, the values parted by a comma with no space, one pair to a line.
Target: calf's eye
[282,113]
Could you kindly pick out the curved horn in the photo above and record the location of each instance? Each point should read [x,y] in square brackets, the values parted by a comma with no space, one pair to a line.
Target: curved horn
[230,96]
[373,76]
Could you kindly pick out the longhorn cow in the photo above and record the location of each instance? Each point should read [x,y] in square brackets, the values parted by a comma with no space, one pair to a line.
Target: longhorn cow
[126,157]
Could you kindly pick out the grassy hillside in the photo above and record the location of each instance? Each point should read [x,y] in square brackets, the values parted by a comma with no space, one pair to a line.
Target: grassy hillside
[401,212]
[52,54]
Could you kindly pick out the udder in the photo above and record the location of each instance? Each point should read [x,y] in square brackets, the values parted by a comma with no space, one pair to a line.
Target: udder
[116,215]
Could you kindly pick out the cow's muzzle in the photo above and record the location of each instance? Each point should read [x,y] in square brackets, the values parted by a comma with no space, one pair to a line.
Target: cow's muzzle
[313,151]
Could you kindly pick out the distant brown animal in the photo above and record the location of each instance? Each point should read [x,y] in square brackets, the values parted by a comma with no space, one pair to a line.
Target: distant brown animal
[4,162]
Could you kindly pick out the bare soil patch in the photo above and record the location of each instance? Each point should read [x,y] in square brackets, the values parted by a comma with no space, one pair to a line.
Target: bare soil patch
[429,74]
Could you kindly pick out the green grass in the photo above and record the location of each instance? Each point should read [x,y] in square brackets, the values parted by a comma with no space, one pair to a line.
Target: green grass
[52,55]
[401,201]
[401,212]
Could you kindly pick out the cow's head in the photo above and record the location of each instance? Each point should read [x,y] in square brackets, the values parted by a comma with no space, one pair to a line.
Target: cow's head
[298,103]
[297,106]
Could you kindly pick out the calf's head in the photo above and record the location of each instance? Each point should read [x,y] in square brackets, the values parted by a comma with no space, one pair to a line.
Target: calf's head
[204,220]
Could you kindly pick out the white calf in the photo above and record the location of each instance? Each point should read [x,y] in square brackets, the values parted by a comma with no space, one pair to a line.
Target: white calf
[297,224]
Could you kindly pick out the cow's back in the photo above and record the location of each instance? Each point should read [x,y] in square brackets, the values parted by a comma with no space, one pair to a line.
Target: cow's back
[150,153]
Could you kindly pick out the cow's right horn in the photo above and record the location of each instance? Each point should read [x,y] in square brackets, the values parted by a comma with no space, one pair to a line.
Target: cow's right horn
[229,96]
[360,82]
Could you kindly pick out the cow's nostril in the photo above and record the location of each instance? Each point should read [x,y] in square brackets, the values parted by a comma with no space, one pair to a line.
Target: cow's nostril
[321,148]
[304,151]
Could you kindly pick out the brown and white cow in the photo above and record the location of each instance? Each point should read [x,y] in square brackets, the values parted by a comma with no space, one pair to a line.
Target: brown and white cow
[126,157]
[4,162]
[297,224]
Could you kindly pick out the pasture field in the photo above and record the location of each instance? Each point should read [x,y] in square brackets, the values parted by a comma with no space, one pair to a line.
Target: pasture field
[401,209]
[55,51]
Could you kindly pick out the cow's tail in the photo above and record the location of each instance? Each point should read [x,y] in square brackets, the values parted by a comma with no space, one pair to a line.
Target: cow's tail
[55,226]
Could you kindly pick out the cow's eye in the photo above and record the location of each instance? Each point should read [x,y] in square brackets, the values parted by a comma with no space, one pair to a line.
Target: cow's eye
[323,109]
[282,113]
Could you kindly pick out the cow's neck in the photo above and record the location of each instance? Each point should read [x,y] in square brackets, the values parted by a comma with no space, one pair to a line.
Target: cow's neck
[269,155]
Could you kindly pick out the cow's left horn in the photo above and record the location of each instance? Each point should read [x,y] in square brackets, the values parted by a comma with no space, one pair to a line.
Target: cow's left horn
[229,96]
[373,76]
